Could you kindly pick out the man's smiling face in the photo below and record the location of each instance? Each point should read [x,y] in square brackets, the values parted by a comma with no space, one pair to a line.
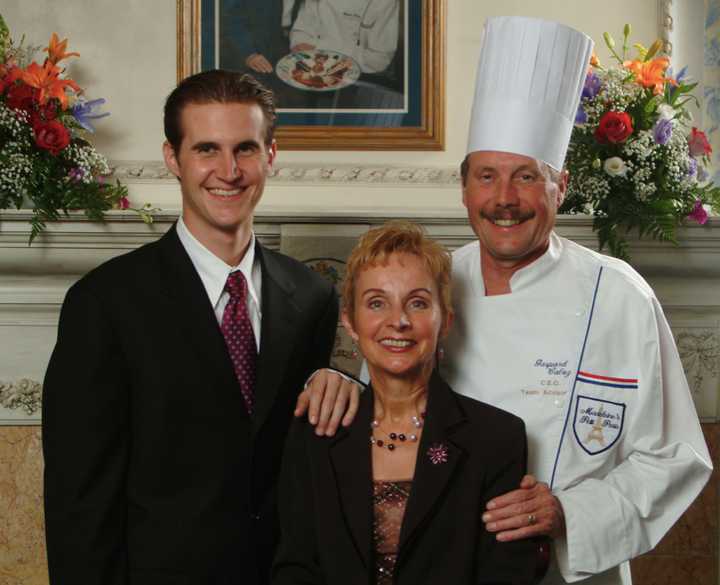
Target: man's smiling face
[512,203]
[222,164]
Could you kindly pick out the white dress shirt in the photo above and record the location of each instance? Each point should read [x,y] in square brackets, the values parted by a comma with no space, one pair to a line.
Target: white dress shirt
[214,273]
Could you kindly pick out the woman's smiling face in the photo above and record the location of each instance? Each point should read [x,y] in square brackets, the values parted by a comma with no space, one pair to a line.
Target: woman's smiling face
[397,318]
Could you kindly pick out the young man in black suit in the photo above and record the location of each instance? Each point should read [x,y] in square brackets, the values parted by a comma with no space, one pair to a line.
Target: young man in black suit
[177,367]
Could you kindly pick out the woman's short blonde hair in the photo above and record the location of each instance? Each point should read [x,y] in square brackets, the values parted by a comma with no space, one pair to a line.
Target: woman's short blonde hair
[398,237]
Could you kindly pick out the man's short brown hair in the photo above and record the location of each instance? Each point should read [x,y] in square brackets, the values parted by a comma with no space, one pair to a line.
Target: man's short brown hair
[217,86]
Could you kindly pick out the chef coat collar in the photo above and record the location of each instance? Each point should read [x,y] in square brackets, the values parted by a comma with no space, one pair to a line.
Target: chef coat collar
[528,275]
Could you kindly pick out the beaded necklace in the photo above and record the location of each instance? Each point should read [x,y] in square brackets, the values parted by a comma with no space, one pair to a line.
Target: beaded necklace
[390,444]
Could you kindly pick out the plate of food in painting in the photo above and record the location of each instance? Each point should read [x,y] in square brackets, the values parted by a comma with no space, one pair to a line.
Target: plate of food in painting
[318,70]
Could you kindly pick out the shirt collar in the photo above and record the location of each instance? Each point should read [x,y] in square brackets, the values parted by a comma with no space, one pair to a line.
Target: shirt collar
[212,270]
[530,274]
[527,275]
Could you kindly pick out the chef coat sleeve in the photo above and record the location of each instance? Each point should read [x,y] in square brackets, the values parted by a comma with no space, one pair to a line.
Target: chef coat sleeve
[305,27]
[664,464]
[379,36]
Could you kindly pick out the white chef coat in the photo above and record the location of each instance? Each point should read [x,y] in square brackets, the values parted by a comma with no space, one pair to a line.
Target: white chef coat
[581,351]
[366,30]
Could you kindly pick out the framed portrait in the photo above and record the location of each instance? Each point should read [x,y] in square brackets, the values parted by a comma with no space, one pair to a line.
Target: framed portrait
[347,74]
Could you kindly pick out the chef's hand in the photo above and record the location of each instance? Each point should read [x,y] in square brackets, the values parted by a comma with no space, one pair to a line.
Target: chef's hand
[302,47]
[530,511]
[328,399]
[259,63]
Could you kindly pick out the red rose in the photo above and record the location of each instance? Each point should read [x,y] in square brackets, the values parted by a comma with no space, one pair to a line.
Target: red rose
[43,113]
[52,136]
[698,143]
[614,127]
[22,97]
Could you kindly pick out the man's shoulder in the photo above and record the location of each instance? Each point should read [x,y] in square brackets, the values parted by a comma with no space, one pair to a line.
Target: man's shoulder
[466,253]
[124,270]
[294,270]
[617,273]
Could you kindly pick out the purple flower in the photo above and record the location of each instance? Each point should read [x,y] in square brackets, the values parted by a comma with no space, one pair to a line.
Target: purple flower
[698,213]
[581,115]
[662,131]
[437,453]
[83,113]
[692,168]
[680,76]
[592,86]
[76,175]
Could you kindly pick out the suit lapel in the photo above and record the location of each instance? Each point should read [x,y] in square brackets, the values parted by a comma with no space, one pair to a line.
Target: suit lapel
[277,333]
[438,458]
[188,301]
[352,465]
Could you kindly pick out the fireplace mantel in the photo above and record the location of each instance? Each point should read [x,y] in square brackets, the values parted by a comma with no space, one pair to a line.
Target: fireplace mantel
[34,279]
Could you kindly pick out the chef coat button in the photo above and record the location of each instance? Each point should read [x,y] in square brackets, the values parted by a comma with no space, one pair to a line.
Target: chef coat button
[579,313]
[558,403]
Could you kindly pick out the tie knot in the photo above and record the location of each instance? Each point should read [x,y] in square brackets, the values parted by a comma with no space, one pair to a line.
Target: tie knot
[236,285]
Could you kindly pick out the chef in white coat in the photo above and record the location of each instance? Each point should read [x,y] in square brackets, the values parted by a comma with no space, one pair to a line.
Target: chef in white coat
[572,341]
[366,30]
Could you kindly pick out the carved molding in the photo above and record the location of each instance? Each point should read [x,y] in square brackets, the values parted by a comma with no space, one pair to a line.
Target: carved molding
[699,351]
[156,172]
[665,25]
[24,395]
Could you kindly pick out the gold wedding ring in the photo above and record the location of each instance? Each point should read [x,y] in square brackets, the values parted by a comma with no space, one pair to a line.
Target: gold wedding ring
[531,519]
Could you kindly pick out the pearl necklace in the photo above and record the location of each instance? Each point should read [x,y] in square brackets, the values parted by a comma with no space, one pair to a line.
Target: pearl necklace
[417,422]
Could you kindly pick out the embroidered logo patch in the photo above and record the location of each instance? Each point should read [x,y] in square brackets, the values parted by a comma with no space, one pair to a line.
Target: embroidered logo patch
[597,423]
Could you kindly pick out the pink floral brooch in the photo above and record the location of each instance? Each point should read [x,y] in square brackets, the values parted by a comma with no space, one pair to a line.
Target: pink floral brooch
[437,453]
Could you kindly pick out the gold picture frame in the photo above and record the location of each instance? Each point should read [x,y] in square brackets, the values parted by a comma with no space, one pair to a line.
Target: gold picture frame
[427,134]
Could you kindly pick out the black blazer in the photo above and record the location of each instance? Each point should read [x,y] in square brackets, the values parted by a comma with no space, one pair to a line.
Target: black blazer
[326,500]
[154,472]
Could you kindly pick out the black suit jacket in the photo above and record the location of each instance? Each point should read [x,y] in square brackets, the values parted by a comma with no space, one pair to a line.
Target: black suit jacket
[154,471]
[326,500]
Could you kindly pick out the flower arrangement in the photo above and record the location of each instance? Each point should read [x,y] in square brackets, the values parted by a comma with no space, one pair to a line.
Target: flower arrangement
[635,161]
[45,156]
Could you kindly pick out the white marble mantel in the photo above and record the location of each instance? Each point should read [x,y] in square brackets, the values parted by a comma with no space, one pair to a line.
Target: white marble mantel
[33,281]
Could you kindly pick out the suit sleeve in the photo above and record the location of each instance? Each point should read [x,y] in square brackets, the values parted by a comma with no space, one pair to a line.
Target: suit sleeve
[664,466]
[85,445]
[507,563]
[296,561]
[325,332]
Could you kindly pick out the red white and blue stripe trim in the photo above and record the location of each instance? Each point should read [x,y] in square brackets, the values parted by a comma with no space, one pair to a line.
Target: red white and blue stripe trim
[609,381]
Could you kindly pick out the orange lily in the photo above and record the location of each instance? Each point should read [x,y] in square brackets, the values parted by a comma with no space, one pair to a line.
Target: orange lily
[594,61]
[56,49]
[651,73]
[47,80]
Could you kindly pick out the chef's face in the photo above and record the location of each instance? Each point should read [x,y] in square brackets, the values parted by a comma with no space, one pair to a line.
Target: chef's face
[512,202]
[397,318]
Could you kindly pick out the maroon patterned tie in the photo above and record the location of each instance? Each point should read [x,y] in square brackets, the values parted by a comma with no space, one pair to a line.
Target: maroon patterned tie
[239,337]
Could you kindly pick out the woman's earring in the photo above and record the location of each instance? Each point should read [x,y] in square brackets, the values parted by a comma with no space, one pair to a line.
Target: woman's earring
[354,352]
[440,354]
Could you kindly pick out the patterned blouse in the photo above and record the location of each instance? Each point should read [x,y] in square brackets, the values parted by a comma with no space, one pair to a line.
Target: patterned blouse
[389,501]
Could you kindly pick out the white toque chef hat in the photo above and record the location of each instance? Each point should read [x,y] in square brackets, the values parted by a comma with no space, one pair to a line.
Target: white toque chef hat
[529,81]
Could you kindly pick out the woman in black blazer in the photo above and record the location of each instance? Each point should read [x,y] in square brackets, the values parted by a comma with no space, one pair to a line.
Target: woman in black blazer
[398,496]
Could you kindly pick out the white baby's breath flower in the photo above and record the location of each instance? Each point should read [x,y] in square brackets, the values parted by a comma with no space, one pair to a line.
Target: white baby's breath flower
[615,166]
[666,112]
